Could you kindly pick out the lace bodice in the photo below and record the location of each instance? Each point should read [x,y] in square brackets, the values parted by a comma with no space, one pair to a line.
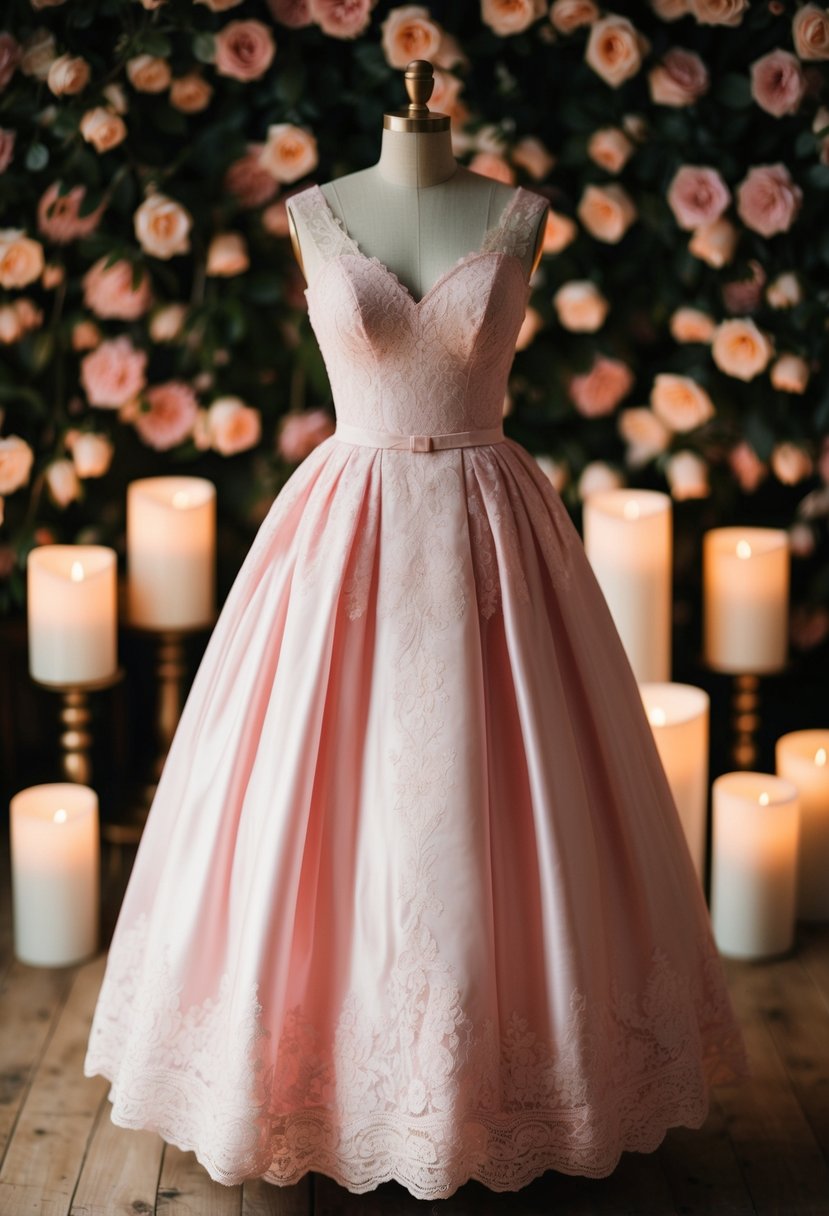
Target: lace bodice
[437,364]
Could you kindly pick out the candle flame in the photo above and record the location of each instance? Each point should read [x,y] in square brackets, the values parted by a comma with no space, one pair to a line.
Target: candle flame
[763,799]
[59,815]
[631,510]
[76,573]
[820,756]
[657,716]
[181,499]
[743,548]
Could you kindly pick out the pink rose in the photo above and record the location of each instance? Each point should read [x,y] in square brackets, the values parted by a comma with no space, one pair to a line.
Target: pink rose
[233,426]
[778,83]
[530,153]
[300,432]
[697,195]
[505,17]
[113,373]
[559,232]
[791,463]
[744,295]
[68,74]
[58,217]
[16,459]
[596,477]
[746,466]
[600,390]
[9,58]
[171,416]
[293,13]
[62,482]
[646,435]
[680,79]
[341,18]
[768,199]
[790,373]
[248,181]
[109,292]
[808,626]
[490,164]
[569,15]
[21,258]
[687,475]
[719,12]
[244,50]
[7,139]
[91,453]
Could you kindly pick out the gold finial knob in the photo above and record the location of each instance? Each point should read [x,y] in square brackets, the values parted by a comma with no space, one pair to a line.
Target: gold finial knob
[420,81]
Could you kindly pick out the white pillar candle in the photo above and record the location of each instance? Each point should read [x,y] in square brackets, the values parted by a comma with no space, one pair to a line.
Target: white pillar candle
[628,539]
[746,598]
[754,864]
[171,552]
[803,757]
[679,716]
[72,613]
[55,866]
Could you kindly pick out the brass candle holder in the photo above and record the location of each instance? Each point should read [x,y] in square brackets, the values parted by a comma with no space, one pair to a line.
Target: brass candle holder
[75,716]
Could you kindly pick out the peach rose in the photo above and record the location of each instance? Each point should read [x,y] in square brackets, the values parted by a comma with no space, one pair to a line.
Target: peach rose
[444,97]
[744,295]
[167,322]
[580,306]
[408,33]
[606,212]
[530,326]
[490,164]
[299,432]
[162,226]
[53,275]
[113,373]
[103,128]
[91,454]
[38,54]
[16,459]
[569,15]
[7,139]
[784,291]
[233,426]
[62,482]
[596,477]
[149,74]
[531,154]
[170,417]
[505,17]
[191,93]
[244,50]
[289,153]
[116,97]
[67,75]
[10,54]
[714,243]
[692,325]
[644,433]
[341,18]
[248,181]
[599,390]
[791,463]
[59,218]
[740,349]
[614,49]
[109,293]
[718,12]
[11,327]
[680,79]
[801,539]
[746,466]
[610,148]
[219,6]
[680,402]
[21,258]
[295,14]
[670,10]
[810,31]
[227,255]
[778,83]
[275,219]
[555,471]
[687,475]
[768,200]
[697,195]
[790,374]
[85,335]
[559,232]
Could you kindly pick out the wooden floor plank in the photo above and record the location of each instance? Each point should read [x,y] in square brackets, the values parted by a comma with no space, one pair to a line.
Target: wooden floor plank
[261,1198]
[186,1189]
[51,1134]
[783,1165]
[703,1171]
[131,1187]
[813,953]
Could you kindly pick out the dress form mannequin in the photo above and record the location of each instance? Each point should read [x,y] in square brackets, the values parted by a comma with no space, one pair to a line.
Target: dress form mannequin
[417,210]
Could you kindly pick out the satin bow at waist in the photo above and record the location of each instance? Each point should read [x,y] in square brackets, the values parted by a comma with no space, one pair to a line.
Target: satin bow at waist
[418,443]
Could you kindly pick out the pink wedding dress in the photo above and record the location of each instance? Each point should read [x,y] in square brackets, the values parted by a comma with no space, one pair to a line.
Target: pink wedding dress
[413,900]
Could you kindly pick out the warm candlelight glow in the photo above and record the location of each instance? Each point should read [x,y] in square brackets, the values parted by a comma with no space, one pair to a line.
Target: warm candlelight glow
[631,510]
[181,499]
[59,815]
[746,573]
[72,613]
[656,716]
[764,799]
[820,756]
[801,758]
[76,573]
[743,548]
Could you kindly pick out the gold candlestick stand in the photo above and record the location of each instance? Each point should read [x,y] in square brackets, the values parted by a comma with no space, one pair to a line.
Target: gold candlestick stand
[75,716]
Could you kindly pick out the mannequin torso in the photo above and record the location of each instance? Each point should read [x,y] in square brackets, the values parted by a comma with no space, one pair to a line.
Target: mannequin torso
[417,210]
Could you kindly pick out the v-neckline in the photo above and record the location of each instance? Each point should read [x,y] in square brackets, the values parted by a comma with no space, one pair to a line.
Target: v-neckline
[472,255]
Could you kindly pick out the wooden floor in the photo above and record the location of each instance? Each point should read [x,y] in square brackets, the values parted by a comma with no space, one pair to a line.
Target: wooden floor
[764,1148]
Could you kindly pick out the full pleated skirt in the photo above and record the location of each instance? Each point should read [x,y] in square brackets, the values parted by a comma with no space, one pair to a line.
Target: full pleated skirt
[413,900]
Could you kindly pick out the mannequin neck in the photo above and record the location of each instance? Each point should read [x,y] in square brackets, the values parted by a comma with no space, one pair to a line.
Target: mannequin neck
[416,158]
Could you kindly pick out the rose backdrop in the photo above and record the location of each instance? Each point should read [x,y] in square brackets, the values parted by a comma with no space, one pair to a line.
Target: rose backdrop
[152,317]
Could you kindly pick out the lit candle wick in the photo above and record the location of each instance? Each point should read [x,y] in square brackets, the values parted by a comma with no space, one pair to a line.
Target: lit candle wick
[181,499]
[657,716]
[820,757]
[743,548]
[76,573]
[59,815]
[764,799]
[631,510]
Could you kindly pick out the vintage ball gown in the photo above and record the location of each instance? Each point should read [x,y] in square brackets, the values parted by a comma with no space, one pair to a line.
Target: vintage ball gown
[413,900]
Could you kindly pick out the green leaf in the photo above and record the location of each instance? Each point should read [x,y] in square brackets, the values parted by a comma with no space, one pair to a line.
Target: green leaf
[734,91]
[154,42]
[204,47]
[818,176]
[37,157]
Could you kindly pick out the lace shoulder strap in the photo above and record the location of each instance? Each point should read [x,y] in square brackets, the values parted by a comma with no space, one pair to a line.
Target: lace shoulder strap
[517,226]
[316,220]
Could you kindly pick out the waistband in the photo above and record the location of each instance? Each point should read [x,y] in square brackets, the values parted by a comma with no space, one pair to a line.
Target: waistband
[418,443]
